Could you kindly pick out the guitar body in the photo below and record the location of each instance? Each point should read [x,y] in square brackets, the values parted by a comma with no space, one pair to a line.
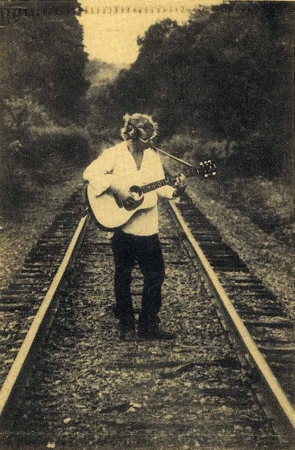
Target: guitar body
[110,213]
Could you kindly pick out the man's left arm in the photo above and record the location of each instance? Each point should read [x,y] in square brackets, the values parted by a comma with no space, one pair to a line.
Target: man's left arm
[170,192]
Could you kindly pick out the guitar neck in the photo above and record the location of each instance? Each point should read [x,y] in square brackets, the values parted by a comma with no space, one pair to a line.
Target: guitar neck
[206,169]
[170,180]
[154,185]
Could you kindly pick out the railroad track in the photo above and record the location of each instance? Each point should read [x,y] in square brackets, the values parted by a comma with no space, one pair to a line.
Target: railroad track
[256,315]
[28,305]
[213,384]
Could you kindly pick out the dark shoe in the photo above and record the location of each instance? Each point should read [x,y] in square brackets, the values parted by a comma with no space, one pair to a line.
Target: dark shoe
[128,335]
[127,332]
[155,333]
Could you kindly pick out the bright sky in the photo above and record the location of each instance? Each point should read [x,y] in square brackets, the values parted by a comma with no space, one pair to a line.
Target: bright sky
[110,34]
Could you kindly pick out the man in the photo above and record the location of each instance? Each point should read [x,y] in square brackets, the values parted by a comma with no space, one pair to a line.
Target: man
[137,240]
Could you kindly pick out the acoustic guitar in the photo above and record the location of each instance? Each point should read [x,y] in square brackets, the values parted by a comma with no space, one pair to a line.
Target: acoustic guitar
[110,212]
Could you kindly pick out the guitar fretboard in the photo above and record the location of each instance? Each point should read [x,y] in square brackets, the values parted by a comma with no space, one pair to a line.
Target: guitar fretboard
[206,169]
[154,185]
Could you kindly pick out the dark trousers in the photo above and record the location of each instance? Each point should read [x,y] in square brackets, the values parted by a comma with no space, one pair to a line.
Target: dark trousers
[146,251]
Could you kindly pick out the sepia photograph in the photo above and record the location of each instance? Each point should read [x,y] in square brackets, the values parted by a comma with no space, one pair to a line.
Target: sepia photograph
[147,225]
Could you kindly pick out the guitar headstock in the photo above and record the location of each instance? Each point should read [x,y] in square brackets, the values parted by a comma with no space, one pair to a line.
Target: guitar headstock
[207,169]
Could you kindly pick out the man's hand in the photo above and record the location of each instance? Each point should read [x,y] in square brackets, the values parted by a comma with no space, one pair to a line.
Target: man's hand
[180,185]
[131,199]
[124,195]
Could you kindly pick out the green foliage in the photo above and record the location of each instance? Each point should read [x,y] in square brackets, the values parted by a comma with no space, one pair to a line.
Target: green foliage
[42,100]
[48,155]
[45,57]
[99,73]
[195,149]
[22,113]
[15,180]
[46,143]
[226,75]
[269,203]
[256,155]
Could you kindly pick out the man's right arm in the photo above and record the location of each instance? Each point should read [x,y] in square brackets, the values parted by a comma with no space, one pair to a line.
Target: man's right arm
[99,172]
[100,176]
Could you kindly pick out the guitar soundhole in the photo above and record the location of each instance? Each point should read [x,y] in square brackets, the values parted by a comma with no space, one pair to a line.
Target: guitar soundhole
[138,198]
[136,192]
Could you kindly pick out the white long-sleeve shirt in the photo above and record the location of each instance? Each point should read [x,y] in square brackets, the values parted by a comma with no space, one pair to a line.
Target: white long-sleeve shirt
[117,165]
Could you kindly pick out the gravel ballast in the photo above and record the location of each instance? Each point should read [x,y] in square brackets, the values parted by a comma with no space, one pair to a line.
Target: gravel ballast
[268,259]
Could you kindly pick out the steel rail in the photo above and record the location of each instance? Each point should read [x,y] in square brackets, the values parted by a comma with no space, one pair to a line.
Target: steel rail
[24,354]
[270,380]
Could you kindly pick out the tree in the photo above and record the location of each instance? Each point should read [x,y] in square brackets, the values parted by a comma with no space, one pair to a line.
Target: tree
[42,82]
[227,74]
[44,58]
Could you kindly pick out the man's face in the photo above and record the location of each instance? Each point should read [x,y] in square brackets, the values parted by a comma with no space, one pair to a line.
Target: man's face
[146,130]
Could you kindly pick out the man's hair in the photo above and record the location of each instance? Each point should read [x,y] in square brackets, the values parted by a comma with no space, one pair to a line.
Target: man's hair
[132,123]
